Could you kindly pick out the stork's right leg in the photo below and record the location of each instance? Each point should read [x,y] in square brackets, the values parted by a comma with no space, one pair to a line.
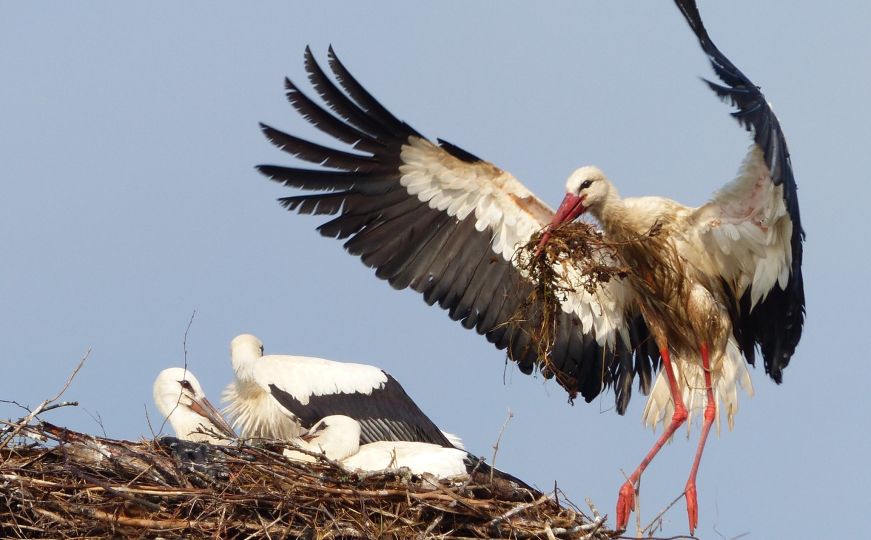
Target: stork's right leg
[626,499]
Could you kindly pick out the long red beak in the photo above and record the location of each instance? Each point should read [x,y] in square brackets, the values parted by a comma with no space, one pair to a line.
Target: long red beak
[568,211]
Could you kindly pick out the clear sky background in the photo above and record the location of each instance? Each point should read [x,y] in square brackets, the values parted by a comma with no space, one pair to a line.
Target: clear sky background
[128,137]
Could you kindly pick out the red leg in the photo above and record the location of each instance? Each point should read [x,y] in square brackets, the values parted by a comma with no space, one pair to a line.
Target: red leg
[710,413]
[626,499]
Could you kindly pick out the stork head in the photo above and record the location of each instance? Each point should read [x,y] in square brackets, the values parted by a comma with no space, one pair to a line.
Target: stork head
[337,436]
[586,189]
[180,398]
[244,349]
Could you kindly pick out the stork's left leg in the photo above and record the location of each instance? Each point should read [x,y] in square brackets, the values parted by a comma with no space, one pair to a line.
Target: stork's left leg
[626,498]
[710,413]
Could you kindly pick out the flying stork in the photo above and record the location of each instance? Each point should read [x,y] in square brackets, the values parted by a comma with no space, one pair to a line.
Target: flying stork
[281,396]
[181,400]
[436,218]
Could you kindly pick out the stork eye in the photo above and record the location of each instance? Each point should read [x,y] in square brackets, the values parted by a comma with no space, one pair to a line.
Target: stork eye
[186,385]
[261,350]
[585,184]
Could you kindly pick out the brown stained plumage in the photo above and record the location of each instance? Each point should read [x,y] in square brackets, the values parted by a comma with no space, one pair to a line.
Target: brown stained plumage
[678,311]
[659,279]
[677,304]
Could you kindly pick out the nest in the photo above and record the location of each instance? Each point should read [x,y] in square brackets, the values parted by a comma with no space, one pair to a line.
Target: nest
[62,484]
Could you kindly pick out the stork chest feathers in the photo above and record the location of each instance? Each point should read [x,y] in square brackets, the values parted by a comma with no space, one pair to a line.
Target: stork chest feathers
[682,303]
[256,414]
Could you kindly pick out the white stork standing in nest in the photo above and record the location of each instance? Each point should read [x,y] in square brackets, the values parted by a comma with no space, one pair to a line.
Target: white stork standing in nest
[181,400]
[281,396]
[437,219]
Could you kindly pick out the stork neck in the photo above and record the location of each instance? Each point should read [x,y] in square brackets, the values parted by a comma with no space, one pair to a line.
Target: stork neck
[186,424]
[612,214]
[243,365]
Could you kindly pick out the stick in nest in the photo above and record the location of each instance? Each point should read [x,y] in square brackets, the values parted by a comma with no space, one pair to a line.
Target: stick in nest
[44,406]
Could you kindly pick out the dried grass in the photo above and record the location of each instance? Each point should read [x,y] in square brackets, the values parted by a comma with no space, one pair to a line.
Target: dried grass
[574,250]
[59,483]
[578,257]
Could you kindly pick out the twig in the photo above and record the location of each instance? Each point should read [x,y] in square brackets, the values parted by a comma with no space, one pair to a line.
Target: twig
[496,446]
[184,343]
[592,527]
[659,515]
[435,522]
[184,346]
[400,472]
[593,508]
[13,402]
[95,416]
[516,510]
[42,406]
[549,532]
[555,493]
[637,497]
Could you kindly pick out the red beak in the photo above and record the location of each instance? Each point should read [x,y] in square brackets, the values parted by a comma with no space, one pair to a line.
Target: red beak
[568,211]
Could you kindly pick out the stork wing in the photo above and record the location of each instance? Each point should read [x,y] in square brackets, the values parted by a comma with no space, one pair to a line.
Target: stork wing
[313,388]
[752,227]
[445,223]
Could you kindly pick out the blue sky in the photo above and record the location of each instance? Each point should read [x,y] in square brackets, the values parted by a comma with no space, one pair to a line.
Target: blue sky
[128,138]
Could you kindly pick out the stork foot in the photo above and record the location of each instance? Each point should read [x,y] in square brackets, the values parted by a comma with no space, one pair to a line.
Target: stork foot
[692,506]
[625,504]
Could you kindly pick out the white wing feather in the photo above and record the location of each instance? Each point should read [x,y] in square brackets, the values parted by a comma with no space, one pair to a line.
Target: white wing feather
[513,214]
[304,376]
[746,230]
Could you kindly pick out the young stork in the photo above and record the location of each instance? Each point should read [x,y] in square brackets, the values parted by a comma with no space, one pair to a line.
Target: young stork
[280,396]
[181,400]
[437,219]
[338,438]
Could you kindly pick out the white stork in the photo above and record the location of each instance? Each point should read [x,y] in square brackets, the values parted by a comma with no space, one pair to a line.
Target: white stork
[437,219]
[280,396]
[181,400]
[338,438]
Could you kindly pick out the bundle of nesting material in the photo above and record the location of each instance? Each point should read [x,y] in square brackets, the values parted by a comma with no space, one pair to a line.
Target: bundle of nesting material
[578,258]
[59,483]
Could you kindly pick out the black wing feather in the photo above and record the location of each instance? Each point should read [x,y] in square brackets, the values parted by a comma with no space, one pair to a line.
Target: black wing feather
[412,245]
[774,324]
[387,414]
[328,123]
